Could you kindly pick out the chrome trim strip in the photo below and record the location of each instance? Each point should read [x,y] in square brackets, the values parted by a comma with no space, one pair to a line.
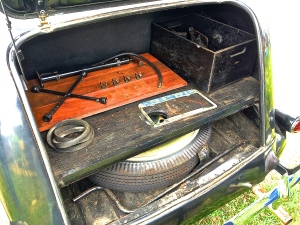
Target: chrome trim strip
[267,112]
[35,131]
[4,220]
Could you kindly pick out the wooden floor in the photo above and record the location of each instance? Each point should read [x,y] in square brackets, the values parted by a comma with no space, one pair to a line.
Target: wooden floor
[123,132]
[122,94]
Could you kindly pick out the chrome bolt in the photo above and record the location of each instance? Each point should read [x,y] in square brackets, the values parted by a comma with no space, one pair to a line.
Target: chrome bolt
[126,78]
[138,75]
[115,81]
[103,85]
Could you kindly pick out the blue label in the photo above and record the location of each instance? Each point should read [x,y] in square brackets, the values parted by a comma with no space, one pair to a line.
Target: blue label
[167,98]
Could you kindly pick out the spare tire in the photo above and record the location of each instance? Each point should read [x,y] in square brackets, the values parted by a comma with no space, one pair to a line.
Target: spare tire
[156,168]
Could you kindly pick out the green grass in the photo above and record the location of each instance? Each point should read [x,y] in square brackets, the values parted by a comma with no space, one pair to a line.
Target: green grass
[291,157]
[266,217]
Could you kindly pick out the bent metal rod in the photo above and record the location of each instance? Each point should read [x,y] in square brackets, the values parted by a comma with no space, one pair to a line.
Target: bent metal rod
[44,77]
[102,65]
[36,89]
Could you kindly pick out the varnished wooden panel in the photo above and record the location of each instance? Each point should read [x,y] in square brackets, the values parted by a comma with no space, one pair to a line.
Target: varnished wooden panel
[122,94]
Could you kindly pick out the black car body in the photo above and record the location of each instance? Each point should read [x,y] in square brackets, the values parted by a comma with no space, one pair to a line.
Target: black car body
[40,185]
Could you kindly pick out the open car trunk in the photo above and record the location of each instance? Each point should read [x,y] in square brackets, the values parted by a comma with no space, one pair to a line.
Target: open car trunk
[207,58]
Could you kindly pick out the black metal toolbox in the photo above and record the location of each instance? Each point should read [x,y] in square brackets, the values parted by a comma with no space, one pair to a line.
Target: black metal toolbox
[205,52]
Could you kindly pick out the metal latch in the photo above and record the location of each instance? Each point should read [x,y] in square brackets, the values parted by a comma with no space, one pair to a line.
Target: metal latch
[43,18]
[41,10]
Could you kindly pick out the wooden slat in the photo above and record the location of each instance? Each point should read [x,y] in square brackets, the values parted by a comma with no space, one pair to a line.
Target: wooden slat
[122,94]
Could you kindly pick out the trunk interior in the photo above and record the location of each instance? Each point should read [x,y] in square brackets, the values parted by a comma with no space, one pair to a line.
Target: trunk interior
[210,83]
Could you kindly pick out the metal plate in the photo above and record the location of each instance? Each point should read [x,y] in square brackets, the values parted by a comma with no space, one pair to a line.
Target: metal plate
[171,108]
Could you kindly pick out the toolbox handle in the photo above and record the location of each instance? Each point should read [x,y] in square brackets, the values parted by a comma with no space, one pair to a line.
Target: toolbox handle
[239,53]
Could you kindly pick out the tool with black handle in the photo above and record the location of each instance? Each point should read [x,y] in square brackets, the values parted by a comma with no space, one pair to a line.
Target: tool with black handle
[129,56]
[48,116]
[37,89]
[44,77]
